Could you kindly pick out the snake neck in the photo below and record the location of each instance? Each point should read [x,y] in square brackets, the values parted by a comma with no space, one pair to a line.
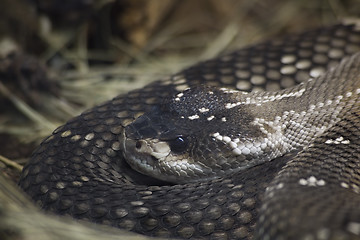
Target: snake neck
[206,131]
[294,117]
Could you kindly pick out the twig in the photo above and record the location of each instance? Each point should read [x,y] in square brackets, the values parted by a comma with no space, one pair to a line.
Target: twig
[11,163]
[26,109]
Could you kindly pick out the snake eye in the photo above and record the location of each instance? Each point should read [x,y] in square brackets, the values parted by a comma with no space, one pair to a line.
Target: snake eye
[179,144]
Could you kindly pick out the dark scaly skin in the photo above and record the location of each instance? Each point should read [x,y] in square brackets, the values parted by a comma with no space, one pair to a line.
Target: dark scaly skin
[80,171]
[332,199]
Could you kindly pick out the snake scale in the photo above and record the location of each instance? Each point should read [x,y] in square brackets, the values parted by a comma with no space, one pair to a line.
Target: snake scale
[275,164]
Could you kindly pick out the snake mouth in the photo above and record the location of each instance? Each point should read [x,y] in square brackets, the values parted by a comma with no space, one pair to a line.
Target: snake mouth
[138,156]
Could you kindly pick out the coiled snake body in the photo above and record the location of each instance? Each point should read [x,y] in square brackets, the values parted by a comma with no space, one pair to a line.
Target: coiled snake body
[277,165]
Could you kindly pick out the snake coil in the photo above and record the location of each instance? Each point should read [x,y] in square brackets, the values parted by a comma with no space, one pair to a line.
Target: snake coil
[308,188]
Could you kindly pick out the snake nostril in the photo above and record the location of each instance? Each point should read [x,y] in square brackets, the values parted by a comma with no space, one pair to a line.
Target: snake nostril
[138,144]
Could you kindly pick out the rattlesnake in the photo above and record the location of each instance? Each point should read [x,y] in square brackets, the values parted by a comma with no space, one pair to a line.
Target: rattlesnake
[278,165]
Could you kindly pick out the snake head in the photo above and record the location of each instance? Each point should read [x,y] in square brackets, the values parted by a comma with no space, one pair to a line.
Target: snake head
[178,141]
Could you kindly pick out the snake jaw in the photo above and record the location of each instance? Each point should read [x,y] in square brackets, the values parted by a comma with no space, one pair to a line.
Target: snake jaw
[138,157]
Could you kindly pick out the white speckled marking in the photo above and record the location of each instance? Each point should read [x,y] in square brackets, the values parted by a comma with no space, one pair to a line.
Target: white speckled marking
[255,148]
[232,105]
[264,99]
[137,203]
[311,182]
[203,110]
[193,117]
[227,90]
[339,140]
[77,183]
[210,118]
[84,178]
[89,136]
[66,133]
[75,138]
[178,96]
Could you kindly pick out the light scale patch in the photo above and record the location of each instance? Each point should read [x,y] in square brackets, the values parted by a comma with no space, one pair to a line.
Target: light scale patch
[328,102]
[264,99]
[226,139]
[339,140]
[227,90]
[355,188]
[210,118]
[203,110]
[66,133]
[279,186]
[232,105]
[311,182]
[240,148]
[89,136]
[193,117]
[182,87]
[279,97]
[275,138]
[178,96]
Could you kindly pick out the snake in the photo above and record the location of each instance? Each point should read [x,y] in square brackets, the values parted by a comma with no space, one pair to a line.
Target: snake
[259,143]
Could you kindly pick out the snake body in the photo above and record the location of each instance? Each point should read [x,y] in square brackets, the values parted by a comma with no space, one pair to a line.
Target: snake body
[269,165]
